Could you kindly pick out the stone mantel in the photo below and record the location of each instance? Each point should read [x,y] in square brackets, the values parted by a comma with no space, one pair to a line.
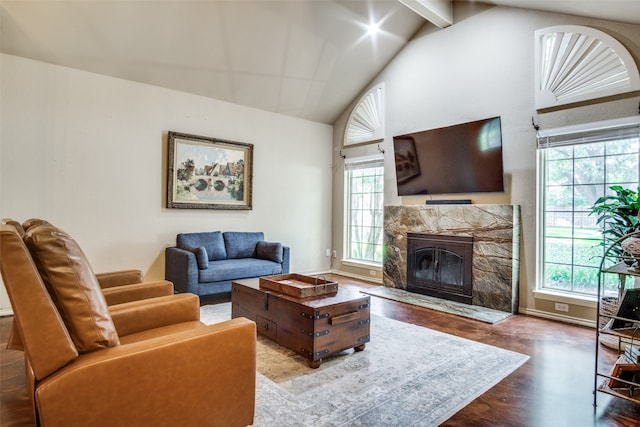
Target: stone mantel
[496,246]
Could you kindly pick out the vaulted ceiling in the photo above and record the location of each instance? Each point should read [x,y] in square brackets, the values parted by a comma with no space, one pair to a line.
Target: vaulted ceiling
[303,58]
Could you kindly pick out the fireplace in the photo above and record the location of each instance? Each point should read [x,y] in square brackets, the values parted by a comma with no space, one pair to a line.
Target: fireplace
[495,230]
[440,266]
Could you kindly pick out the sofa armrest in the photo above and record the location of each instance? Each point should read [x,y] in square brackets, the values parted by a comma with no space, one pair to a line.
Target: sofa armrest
[286,255]
[202,257]
[139,291]
[200,377]
[137,316]
[181,268]
[119,278]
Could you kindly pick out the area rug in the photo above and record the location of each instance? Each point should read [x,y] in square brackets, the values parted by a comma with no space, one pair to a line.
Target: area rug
[406,376]
[474,312]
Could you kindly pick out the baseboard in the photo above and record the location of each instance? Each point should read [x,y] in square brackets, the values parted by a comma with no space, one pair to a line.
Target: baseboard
[6,312]
[558,317]
[357,276]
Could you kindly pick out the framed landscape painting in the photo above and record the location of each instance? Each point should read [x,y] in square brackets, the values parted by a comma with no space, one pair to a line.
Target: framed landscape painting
[208,173]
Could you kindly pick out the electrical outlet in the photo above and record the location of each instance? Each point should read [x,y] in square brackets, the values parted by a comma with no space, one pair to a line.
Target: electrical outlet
[562,307]
[328,253]
[335,254]
[372,272]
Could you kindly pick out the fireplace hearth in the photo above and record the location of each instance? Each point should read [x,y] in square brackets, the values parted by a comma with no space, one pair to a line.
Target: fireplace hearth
[440,266]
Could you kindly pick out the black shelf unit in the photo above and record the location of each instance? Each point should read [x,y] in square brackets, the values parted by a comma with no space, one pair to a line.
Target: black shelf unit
[623,380]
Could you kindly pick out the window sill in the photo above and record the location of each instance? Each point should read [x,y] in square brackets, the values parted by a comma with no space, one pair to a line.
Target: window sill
[565,297]
[361,264]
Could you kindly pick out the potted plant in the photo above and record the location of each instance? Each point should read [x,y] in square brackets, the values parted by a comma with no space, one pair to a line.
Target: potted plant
[618,216]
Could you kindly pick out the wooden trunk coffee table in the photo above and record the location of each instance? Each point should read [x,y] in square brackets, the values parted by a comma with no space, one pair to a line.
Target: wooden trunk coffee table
[312,327]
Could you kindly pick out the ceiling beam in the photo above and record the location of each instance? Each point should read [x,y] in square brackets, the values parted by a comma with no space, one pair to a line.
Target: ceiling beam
[438,12]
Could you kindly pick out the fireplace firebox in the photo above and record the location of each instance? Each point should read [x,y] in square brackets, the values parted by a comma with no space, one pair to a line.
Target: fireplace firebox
[440,266]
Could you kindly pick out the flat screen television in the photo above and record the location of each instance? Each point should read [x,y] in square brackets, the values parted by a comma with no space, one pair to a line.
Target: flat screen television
[463,158]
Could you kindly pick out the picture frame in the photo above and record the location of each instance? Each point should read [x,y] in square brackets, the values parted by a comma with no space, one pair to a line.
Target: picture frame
[208,173]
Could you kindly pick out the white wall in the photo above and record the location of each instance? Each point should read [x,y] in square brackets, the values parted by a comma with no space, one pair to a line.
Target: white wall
[482,66]
[88,153]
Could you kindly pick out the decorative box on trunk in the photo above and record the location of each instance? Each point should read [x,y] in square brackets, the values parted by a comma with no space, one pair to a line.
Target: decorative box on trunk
[298,285]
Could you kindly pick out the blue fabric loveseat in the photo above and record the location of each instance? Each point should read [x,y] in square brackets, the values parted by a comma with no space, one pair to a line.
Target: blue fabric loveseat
[206,263]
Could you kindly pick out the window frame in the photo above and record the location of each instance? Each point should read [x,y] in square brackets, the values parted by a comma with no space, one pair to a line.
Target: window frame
[611,130]
[369,162]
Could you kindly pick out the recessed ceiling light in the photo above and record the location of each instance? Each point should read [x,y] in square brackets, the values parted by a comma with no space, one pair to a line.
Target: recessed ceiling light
[373,28]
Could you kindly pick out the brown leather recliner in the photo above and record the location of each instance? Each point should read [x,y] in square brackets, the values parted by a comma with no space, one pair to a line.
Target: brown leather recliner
[137,363]
[117,286]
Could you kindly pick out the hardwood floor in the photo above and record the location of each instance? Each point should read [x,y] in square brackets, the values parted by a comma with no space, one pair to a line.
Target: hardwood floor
[553,388]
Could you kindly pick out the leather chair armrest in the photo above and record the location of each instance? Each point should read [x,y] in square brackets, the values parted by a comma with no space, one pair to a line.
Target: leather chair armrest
[119,278]
[200,377]
[139,291]
[137,316]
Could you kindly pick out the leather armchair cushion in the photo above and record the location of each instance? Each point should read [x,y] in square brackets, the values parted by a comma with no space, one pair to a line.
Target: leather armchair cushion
[211,241]
[136,316]
[241,244]
[32,222]
[73,287]
[271,251]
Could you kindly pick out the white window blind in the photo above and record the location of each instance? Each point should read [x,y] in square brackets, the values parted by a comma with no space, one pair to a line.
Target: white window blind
[613,130]
[363,163]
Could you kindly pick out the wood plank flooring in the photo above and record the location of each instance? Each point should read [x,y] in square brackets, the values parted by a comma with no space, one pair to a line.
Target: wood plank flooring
[553,388]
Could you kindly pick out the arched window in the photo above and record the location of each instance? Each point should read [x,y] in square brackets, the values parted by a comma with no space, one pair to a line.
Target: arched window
[576,63]
[366,122]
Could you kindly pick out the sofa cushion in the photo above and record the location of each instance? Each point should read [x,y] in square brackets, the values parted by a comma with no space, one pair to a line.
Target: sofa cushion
[73,287]
[233,269]
[271,251]
[212,241]
[202,257]
[241,244]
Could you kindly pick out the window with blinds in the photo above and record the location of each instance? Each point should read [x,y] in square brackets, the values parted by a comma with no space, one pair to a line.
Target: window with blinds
[364,203]
[576,166]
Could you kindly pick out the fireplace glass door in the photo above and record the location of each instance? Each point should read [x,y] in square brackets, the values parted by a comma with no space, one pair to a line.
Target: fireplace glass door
[440,266]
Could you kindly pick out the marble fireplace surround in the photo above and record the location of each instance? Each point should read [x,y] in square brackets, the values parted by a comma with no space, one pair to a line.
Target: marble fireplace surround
[496,246]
